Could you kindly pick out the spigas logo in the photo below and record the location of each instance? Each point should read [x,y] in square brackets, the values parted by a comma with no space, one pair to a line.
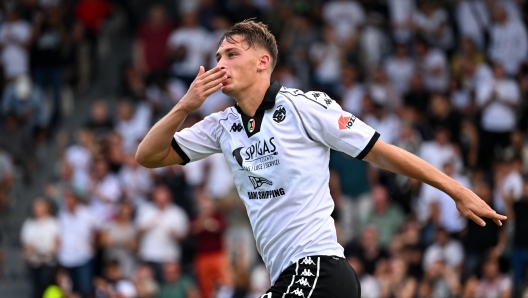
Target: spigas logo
[259,155]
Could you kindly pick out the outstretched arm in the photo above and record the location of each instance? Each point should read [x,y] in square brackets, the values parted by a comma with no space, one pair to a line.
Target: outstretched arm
[155,149]
[401,162]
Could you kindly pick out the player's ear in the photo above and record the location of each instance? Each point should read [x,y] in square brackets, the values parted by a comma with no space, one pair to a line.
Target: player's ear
[264,62]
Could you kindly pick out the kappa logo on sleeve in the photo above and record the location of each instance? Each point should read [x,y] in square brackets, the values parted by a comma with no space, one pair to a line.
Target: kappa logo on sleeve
[346,122]
[236,127]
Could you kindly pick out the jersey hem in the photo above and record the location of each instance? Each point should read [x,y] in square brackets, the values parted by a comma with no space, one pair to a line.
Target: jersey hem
[369,146]
[180,152]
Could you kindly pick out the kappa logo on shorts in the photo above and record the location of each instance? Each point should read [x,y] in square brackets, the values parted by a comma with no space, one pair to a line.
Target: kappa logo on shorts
[307,261]
[237,127]
[346,122]
[298,292]
[280,114]
[307,272]
[303,281]
[268,295]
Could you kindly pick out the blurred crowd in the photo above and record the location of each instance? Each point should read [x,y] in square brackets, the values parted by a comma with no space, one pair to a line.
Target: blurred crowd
[445,80]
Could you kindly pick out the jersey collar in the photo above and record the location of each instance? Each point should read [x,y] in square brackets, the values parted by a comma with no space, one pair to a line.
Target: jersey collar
[252,124]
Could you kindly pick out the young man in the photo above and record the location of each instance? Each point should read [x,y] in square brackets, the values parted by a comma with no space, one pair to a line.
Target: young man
[277,142]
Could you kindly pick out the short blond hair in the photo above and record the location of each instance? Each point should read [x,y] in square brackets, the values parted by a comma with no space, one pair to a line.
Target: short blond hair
[255,34]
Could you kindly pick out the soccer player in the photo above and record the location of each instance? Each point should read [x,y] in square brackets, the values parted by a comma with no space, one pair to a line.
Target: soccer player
[277,142]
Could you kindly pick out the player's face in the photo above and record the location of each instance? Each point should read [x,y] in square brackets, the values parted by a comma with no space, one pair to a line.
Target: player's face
[241,63]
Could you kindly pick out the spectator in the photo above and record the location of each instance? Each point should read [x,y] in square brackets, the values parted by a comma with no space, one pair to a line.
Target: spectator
[345,16]
[444,248]
[400,68]
[380,87]
[431,22]
[509,40]
[395,282]
[352,91]
[473,19]
[245,9]
[187,47]
[440,150]
[79,157]
[440,281]
[78,229]
[508,181]
[367,249]
[143,279]
[493,283]
[40,237]
[104,191]
[385,216]
[92,13]
[432,65]
[382,119]
[99,122]
[113,284]
[162,226]
[468,54]
[373,41]
[417,99]
[25,101]
[47,43]
[326,57]
[210,258]
[136,181]
[119,239]
[150,46]
[7,177]
[444,211]
[177,285]
[129,126]
[497,100]
[400,12]
[518,213]
[408,246]
[15,35]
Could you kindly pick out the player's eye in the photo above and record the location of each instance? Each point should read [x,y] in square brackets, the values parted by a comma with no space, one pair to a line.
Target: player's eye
[230,55]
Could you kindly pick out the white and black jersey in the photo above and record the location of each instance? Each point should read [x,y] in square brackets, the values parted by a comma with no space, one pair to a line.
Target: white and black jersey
[279,160]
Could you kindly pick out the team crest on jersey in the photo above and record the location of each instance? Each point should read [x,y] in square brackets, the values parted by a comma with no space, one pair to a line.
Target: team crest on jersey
[259,181]
[251,125]
[346,122]
[280,114]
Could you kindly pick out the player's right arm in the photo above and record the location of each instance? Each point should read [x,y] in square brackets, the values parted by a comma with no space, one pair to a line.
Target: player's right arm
[155,150]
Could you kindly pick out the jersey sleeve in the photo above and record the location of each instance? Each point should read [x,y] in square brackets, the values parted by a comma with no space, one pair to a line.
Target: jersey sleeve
[325,121]
[198,141]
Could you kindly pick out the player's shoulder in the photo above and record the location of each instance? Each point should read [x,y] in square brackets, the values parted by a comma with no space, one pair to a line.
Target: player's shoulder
[306,99]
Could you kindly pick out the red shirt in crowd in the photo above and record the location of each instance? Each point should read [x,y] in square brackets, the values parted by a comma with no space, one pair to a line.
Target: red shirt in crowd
[154,40]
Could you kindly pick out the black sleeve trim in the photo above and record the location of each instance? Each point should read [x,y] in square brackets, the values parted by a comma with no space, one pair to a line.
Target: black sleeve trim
[369,146]
[180,152]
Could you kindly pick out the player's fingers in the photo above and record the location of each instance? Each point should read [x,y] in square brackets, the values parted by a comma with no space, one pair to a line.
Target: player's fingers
[210,72]
[201,71]
[215,82]
[213,89]
[213,76]
[469,214]
[498,222]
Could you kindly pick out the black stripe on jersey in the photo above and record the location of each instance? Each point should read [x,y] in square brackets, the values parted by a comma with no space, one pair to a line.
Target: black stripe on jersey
[300,117]
[180,152]
[369,146]
[302,94]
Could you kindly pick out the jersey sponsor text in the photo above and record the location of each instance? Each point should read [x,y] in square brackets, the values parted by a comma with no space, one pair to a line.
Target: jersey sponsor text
[266,194]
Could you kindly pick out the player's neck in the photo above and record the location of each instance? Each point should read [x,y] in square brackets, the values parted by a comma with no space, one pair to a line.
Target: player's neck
[250,98]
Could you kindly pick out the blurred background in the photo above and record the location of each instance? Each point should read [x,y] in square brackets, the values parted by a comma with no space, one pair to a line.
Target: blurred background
[84,80]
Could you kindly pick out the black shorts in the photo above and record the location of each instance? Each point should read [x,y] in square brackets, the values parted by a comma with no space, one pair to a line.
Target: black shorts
[317,277]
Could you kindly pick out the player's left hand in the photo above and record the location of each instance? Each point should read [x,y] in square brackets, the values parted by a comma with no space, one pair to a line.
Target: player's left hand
[474,208]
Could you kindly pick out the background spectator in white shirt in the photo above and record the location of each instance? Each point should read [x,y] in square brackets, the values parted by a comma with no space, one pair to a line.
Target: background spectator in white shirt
[352,90]
[188,48]
[345,17]
[130,127]
[162,225]
[78,230]
[104,191]
[432,65]
[431,22]
[135,181]
[473,19]
[400,68]
[15,35]
[493,282]
[400,12]
[497,100]
[40,237]
[509,40]
[326,59]
[440,150]
[444,248]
